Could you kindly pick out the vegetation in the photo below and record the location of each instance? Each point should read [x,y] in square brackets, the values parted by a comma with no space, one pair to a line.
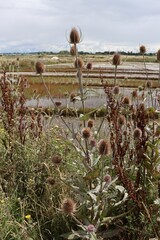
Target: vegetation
[90,179]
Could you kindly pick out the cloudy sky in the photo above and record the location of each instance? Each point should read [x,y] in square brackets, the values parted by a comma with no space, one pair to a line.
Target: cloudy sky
[43,25]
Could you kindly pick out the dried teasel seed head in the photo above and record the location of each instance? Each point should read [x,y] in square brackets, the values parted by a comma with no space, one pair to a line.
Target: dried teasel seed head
[72,97]
[86,132]
[68,206]
[103,147]
[107,178]
[78,63]
[126,100]
[58,103]
[89,66]
[73,50]
[74,36]
[56,159]
[137,134]
[40,68]
[50,180]
[90,123]
[116,60]
[142,49]
[121,120]
[158,55]
[148,84]
[116,90]
[134,94]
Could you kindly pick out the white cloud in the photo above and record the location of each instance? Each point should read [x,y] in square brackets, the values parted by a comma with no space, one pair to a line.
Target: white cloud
[42,24]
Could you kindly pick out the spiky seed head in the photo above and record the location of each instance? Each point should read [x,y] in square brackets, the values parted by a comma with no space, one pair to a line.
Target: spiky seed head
[148,84]
[107,178]
[93,142]
[78,63]
[40,68]
[134,94]
[137,133]
[142,49]
[89,66]
[74,36]
[73,50]
[72,97]
[116,90]
[50,180]
[103,147]
[56,159]
[86,132]
[58,103]
[126,100]
[121,120]
[90,123]
[68,206]
[116,60]
[158,55]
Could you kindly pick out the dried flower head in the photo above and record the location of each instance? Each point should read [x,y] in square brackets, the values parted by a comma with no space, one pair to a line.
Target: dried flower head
[148,84]
[73,50]
[121,120]
[107,178]
[58,103]
[89,66]
[116,60]
[78,63]
[72,97]
[74,36]
[40,68]
[86,133]
[116,90]
[142,49]
[93,142]
[158,55]
[134,94]
[56,159]
[103,147]
[137,133]
[91,228]
[90,123]
[126,100]
[68,206]
[50,180]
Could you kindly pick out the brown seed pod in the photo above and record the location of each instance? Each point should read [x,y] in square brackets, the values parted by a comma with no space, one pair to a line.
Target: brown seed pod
[116,60]
[74,36]
[56,159]
[121,120]
[73,50]
[134,94]
[50,180]
[78,63]
[107,178]
[142,49]
[158,55]
[86,133]
[90,123]
[68,206]
[126,100]
[89,66]
[72,97]
[116,90]
[148,84]
[137,133]
[40,68]
[103,147]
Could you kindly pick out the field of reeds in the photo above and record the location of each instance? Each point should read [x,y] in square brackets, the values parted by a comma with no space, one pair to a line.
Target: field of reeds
[71,170]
